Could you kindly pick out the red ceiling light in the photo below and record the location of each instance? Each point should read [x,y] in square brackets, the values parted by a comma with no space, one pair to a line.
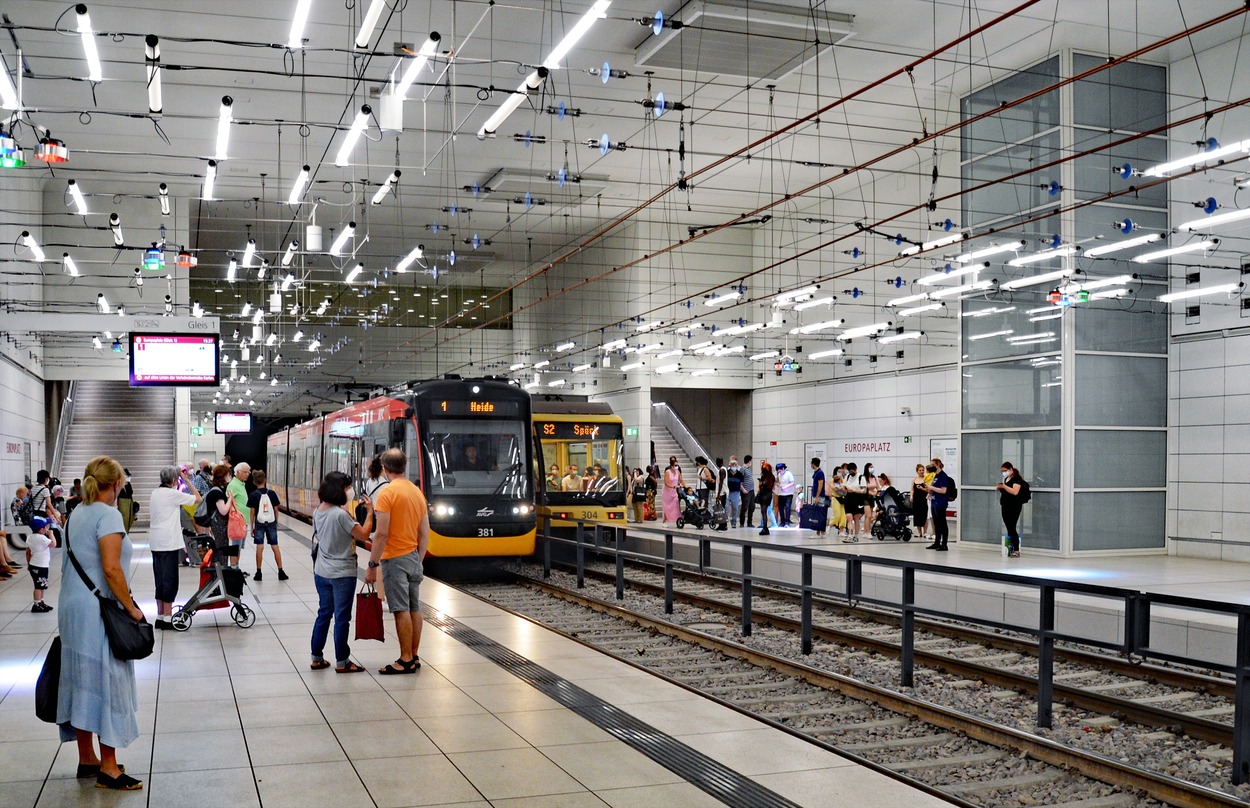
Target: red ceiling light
[52,150]
[185,259]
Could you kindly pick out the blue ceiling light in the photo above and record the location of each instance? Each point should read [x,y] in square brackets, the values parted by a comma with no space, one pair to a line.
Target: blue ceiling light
[657,23]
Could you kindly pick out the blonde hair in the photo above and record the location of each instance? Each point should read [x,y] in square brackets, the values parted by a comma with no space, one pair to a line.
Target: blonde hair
[101,473]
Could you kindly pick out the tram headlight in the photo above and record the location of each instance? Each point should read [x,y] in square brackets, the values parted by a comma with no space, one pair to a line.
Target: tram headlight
[444,510]
[522,509]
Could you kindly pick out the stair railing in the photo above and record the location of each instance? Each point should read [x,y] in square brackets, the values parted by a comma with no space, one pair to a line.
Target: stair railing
[62,429]
[664,415]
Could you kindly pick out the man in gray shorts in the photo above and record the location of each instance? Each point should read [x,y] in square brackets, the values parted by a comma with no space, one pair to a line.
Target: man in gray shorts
[402,521]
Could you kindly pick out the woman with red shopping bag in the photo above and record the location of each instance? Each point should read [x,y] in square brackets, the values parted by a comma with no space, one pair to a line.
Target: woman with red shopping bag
[335,533]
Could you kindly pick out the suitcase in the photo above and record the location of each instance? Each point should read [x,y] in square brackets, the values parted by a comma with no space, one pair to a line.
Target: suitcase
[814,517]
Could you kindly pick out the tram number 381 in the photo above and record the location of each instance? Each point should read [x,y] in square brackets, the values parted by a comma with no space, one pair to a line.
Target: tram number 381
[485,531]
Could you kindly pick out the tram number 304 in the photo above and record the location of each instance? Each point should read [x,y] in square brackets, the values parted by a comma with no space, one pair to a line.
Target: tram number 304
[485,531]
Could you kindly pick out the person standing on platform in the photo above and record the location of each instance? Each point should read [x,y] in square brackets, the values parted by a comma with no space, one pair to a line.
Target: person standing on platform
[919,501]
[165,539]
[1011,498]
[819,492]
[937,504]
[785,494]
[237,489]
[39,546]
[637,495]
[262,505]
[746,517]
[765,496]
[672,481]
[733,485]
[126,502]
[401,537]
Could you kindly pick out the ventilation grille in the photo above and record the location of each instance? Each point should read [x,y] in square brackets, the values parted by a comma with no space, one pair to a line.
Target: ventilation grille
[508,184]
[755,40]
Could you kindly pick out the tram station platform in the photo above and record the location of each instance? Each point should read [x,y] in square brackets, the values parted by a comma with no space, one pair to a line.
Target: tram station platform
[495,717]
[1200,635]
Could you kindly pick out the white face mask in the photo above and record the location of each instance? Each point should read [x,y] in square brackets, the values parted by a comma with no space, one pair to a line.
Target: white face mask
[1006,475]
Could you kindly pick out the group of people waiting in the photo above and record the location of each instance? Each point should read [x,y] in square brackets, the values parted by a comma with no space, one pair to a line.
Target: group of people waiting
[595,480]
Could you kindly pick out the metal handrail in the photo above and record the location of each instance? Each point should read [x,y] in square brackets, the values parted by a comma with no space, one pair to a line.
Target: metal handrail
[1136,606]
[668,418]
[62,429]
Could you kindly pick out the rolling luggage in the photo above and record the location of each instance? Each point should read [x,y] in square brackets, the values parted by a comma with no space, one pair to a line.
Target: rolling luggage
[814,517]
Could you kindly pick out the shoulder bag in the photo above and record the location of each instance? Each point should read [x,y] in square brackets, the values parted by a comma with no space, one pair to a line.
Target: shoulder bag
[48,686]
[128,638]
[236,525]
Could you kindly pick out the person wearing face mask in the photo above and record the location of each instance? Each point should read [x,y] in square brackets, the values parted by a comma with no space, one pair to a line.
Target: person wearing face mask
[334,570]
[1011,498]
[672,481]
[734,479]
[937,491]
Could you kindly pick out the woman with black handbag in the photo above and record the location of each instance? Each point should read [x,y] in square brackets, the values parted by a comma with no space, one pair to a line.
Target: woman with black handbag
[97,690]
[638,499]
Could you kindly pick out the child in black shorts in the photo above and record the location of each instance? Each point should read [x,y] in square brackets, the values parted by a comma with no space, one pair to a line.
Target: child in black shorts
[39,559]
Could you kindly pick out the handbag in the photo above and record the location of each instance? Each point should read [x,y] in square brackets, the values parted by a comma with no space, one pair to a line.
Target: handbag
[369,614]
[48,686]
[128,638]
[236,525]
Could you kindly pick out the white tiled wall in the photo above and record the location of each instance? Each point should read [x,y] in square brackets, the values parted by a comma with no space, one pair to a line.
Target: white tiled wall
[21,422]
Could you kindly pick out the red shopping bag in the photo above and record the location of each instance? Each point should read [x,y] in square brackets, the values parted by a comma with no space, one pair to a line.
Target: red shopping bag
[369,614]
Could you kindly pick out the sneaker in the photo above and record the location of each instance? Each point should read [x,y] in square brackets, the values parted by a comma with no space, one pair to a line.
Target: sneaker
[40,608]
[282,576]
[943,548]
[933,547]
[257,576]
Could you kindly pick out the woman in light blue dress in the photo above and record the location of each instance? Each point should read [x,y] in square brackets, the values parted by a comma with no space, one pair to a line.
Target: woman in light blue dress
[97,695]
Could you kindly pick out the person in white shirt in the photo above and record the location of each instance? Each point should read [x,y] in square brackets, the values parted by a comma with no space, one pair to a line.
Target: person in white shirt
[39,559]
[785,494]
[165,537]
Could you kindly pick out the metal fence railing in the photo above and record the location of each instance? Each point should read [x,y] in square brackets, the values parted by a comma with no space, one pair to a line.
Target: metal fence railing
[664,415]
[62,429]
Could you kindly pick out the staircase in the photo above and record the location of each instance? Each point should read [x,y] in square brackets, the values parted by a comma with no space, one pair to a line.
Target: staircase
[132,425]
[666,446]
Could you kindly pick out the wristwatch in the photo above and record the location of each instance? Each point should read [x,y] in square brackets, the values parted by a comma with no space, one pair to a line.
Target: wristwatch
[374,565]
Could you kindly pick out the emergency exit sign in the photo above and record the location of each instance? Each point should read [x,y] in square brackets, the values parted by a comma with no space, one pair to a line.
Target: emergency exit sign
[631,431]
[194,445]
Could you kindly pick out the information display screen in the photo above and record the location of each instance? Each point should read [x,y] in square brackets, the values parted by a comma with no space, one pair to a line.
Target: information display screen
[472,407]
[174,360]
[230,423]
[573,430]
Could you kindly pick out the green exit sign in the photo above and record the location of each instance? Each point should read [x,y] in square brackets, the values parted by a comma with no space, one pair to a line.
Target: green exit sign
[197,430]
[631,431]
[194,445]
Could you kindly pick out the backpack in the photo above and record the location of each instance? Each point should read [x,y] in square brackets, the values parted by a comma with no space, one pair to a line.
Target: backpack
[201,516]
[264,509]
[26,508]
[952,490]
[1025,493]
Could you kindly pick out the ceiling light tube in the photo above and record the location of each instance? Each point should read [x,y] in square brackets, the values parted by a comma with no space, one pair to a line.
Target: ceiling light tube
[232,270]
[369,22]
[631,366]
[224,117]
[1108,294]
[1215,221]
[264,267]
[247,309]
[210,177]
[735,349]
[565,346]
[652,347]
[517,366]
[339,243]
[809,304]
[510,104]
[1128,244]
[162,193]
[353,134]
[814,327]
[355,273]
[540,365]
[863,330]
[415,66]
[906,335]
[1045,255]
[299,335]
[35,250]
[959,290]
[531,385]
[94,72]
[287,282]
[700,345]
[580,368]
[1118,280]
[297,190]
[765,355]
[271,339]
[1045,277]
[1189,294]
[68,265]
[289,255]
[932,245]
[1194,159]
[899,301]
[102,303]
[1039,310]
[789,297]
[410,258]
[1208,244]
[314,345]
[988,312]
[249,252]
[1043,317]
[670,354]
[704,372]
[720,300]
[596,12]
[80,201]
[954,273]
[8,92]
[920,309]
[615,345]
[296,39]
[152,59]
[994,249]
[668,368]
[556,383]
[386,187]
[824,354]
[1026,338]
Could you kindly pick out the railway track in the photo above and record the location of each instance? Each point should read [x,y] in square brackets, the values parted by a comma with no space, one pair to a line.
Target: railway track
[967,757]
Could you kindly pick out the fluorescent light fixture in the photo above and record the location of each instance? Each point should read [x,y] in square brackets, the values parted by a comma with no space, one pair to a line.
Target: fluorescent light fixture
[339,243]
[102,303]
[565,346]
[920,309]
[1128,244]
[1044,255]
[988,312]
[224,117]
[544,363]
[598,11]
[741,329]
[299,335]
[271,339]
[720,300]
[386,187]
[704,372]
[517,366]
[1196,246]
[152,59]
[643,328]
[314,345]
[1194,159]
[289,255]
[247,309]
[232,271]
[416,65]
[631,366]
[993,249]
[162,192]
[556,383]
[933,245]
[670,354]
[975,286]
[906,335]
[785,298]
[814,302]
[655,346]
[1108,294]
[532,82]
[249,252]
[615,345]
[825,354]
[1215,221]
[297,190]
[410,258]
[580,368]
[94,72]
[901,301]
[8,92]
[1118,280]
[95,343]
[1045,277]
[1043,317]
[727,351]
[990,334]
[355,273]
[1045,336]
[67,263]
[353,134]
[700,345]
[765,355]
[814,327]
[1189,294]
[210,178]
[668,368]
[369,22]
[29,242]
[80,201]
[287,281]
[954,273]
[296,39]
[1039,310]
[863,330]
[531,385]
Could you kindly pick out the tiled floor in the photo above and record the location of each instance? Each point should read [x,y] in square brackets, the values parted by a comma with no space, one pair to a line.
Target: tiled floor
[234,717]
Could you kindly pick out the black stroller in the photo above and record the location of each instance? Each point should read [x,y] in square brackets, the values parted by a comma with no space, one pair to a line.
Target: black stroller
[891,517]
[692,513]
[220,585]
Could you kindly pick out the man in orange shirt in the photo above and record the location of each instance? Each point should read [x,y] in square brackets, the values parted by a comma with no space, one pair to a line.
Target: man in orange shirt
[399,545]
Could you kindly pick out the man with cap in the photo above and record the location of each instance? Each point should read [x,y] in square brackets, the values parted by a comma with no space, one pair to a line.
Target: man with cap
[39,559]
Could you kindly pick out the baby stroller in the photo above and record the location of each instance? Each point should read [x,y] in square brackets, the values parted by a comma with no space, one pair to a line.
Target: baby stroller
[692,513]
[891,517]
[219,584]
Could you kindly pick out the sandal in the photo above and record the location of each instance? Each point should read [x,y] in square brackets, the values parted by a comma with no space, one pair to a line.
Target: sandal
[122,782]
[86,770]
[404,667]
[350,667]
[319,665]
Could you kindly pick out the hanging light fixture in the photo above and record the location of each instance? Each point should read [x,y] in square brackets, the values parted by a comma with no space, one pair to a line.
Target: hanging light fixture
[185,259]
[232,270]
[75,194]
[153,259]
[51,150]
[353,134]
[289,255]
[224,117]
[11,155]
[369,22]
[162,193]
[386,187]
[355,273]
[296,39]
[1197,246]
[986,252]
[35,250]
[210,178]
[248,253]
[596,12]
[102,303]
[410,258]
[337,247]
[532,82]
[94,71]
[297,190]
[68,265]
[415,66]
[152,59]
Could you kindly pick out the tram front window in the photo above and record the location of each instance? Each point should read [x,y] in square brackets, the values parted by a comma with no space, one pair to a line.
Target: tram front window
[477,457]
[595,452]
